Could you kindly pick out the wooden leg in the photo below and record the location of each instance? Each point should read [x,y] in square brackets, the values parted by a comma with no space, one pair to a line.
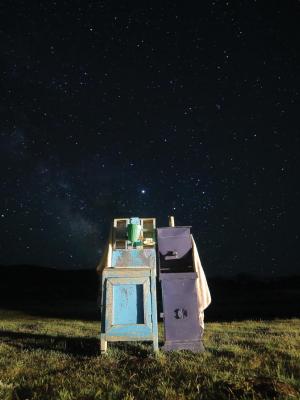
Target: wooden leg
[103,345]
[155,344]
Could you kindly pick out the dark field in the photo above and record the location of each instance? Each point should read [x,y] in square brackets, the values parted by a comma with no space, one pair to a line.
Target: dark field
[49,347]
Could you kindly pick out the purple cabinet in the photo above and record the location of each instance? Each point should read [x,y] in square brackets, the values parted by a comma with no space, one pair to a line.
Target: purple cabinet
[179,295]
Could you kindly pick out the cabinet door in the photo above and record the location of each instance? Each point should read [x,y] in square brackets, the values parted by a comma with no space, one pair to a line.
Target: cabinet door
[128,308]
[180,309]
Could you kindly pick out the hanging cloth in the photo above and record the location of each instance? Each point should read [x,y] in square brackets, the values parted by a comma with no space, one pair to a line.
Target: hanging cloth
[204,297]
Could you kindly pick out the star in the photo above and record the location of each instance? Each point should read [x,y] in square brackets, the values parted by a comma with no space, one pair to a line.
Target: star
[91,138]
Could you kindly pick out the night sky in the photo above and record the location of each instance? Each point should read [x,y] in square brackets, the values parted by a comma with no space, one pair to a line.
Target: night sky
[117,109]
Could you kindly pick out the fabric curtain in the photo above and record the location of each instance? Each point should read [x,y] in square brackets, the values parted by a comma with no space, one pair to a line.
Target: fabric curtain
[204,297]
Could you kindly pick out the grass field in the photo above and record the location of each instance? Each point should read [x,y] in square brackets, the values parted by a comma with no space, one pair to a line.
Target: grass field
[46,358]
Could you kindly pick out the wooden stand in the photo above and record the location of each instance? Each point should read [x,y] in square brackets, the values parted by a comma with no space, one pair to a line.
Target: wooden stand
[128,303]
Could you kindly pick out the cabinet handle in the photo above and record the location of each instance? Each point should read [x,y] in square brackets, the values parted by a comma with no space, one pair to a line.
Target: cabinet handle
[180,313]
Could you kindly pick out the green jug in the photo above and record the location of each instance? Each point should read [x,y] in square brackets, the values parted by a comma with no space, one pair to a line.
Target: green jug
[133,232]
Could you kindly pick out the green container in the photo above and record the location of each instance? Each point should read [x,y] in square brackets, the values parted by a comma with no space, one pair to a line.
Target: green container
[133,232]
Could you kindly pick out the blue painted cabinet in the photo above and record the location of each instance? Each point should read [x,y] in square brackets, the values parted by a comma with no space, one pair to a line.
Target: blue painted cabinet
[129,310]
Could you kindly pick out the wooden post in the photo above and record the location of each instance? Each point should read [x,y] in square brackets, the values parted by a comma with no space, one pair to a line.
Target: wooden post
[103,344]
[171,221]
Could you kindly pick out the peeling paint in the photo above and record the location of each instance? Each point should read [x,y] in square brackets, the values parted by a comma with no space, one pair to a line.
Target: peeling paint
[129,297]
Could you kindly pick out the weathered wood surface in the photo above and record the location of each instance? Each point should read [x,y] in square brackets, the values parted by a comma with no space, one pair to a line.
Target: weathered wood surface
[129,307]
[133,258]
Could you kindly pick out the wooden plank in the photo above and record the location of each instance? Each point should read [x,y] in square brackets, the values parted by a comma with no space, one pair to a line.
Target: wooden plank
[154,309]
[103,344]
[129,339]
[126,272]
[133,258]
[121,223]
[131,331]
[120,244]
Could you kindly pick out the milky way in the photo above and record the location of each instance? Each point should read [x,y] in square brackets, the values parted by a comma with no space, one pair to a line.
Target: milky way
[112,110]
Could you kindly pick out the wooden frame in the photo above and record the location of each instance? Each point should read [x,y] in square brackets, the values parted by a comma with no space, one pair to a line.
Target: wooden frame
[111,328]
[136,275]
[121,223]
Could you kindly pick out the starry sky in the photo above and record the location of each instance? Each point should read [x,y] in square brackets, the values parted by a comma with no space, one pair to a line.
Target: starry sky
[116,109]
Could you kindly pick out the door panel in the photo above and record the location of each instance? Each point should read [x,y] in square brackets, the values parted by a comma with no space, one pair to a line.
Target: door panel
[128,307]
[180,309]
[128,304]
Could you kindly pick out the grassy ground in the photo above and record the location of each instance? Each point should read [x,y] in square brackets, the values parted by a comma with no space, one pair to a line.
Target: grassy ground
[43,358]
